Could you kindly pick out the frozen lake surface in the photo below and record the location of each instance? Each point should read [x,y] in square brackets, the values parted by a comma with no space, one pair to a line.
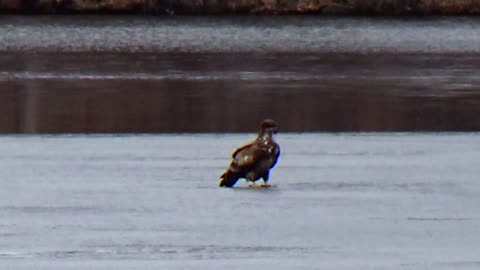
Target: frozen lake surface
[341,201]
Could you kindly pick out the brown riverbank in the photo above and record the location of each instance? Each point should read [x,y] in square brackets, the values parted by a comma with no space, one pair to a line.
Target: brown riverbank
[202,7]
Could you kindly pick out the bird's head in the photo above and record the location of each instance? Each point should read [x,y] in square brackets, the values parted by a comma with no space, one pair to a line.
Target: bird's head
[268,126]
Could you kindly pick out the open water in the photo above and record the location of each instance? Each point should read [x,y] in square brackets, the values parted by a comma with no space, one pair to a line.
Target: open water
[215,74]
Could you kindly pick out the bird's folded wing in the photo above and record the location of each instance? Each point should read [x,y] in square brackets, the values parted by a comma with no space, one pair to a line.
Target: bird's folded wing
[251,144]
[247,157]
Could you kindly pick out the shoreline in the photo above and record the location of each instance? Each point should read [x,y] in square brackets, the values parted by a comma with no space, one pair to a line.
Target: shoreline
[213,7]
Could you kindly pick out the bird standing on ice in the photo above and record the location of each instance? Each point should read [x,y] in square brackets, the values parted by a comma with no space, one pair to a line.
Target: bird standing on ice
[254,160]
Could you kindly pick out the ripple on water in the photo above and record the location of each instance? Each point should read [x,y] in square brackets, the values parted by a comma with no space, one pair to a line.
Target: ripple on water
[239,34]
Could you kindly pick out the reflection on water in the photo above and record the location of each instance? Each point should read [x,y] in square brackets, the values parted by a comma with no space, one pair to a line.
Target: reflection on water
[118,92]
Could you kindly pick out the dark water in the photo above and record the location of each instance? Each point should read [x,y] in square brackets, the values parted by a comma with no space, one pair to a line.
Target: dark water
[182,74]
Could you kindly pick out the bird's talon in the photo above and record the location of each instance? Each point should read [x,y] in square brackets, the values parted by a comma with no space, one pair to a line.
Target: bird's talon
[255,186]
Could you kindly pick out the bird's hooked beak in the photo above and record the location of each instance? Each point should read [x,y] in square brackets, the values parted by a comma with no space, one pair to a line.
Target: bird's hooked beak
[275,130]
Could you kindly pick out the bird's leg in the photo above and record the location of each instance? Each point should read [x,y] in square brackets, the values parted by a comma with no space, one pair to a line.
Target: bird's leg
[265,184]
[265,180]
[254,185]
[251,184]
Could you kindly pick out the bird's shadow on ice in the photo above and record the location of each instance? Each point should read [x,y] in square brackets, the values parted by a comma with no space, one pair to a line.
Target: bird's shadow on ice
[254,189]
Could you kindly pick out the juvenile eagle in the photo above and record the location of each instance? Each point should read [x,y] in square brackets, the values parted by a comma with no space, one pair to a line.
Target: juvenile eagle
[254,160]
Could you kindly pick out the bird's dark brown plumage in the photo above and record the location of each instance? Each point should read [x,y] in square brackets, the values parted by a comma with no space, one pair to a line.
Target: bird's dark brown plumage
[255,159]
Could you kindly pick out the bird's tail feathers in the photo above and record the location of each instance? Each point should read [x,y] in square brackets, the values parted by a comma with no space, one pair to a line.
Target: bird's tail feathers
[228,179]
